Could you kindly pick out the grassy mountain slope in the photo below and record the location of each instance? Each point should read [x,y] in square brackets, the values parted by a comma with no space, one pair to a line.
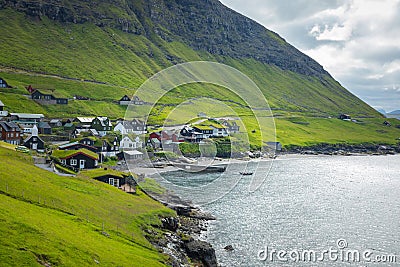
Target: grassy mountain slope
[61,220]
[103,53]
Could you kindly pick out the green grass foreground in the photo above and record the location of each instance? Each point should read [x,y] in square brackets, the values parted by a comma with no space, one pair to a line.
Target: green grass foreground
[71,221]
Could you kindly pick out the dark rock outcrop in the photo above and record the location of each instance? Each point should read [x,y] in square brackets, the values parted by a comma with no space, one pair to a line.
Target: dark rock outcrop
[170,223]
[201,251]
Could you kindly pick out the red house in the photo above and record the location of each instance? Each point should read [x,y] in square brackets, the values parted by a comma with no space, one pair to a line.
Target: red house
[171,136]
[155,136]
[10,132]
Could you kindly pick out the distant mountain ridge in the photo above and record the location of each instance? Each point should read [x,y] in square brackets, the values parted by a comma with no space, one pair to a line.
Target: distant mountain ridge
[395,112]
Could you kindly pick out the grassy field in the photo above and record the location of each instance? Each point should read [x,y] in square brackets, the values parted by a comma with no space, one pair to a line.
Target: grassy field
[71,221]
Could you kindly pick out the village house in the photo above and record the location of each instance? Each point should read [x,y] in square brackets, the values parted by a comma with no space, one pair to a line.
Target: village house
[154,141]
[231,126]
[123,182]
[47,98]
[3,83]
[128,143]
[55,123]
[3,113]
[125,101]
[137,101]
[33,141]
[89,141]
[69,127]
[77,146]
[344,117]
[85,122]
[219,130]
[205,130]
[79,159]
[67,120]
[79,132]
[134,126]
[26,128]
[107,147]
[102,125]
[30,89]
[10,133]
[26,118]
[44,128]
[173,136]
[133,155]
[193,136]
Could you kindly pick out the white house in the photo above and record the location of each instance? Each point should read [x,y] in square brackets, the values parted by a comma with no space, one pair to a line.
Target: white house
[102,125]
[128,144]
[133,155]
[135,126]
[219,130]
[26,128]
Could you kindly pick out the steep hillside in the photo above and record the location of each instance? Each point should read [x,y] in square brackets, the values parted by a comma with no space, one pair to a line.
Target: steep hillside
[65,221]
[125,42]
[105,49]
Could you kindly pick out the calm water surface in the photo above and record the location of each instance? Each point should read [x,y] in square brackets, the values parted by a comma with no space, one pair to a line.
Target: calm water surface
[308,204]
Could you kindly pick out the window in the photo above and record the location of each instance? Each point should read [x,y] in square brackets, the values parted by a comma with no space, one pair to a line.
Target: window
[12,135]
[73,162]
[111,181]
[63,161]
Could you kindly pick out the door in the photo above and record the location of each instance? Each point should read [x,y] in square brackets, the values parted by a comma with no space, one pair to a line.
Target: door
[34,146]
[82,164]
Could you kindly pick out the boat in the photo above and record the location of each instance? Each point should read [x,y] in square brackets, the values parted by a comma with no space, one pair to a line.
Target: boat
[246,173]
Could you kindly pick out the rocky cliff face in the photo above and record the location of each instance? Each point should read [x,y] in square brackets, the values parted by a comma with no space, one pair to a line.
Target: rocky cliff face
[205,25]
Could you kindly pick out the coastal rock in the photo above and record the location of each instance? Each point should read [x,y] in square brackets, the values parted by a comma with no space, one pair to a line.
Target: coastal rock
[201,251]
[229,248]
[170,223]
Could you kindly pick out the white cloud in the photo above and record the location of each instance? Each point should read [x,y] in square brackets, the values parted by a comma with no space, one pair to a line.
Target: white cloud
[335,33]
[393,66]
[357,41]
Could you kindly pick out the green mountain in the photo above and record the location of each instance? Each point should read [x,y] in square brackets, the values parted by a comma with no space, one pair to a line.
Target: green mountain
[106,49]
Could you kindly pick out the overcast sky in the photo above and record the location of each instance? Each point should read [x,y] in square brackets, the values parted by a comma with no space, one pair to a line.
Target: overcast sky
[357,41]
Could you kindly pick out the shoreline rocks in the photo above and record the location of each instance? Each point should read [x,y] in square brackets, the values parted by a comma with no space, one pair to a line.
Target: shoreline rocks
[181,240]
[345,149]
